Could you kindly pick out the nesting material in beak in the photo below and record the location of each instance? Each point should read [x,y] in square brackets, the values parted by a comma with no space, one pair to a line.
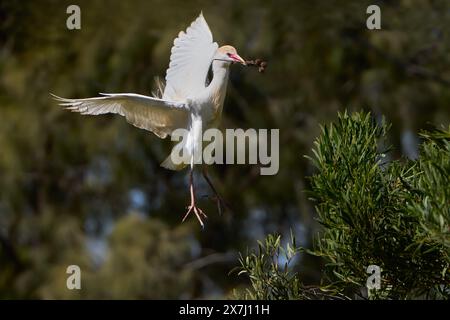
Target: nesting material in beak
[262,65]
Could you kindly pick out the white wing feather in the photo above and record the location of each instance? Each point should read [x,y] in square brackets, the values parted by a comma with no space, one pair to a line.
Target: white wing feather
[156,115]
[190,59]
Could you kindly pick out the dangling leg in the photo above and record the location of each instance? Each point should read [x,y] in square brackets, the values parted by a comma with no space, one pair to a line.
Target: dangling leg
[193,207]
[221,203]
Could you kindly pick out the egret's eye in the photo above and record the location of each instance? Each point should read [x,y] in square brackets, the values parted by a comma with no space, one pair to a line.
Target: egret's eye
[228,54]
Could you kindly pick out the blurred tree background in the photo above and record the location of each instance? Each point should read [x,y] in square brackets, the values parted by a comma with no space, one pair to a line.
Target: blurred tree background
[89,190]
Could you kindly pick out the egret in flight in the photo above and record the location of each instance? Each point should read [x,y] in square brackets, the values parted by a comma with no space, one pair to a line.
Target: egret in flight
[188,100]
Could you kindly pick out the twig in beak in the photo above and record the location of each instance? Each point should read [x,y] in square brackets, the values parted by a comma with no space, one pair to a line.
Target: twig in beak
[262,65]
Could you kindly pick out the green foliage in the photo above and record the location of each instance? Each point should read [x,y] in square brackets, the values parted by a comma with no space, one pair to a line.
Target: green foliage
[433,185]
[270,280]
[271,276]
[391,214]
[385,214]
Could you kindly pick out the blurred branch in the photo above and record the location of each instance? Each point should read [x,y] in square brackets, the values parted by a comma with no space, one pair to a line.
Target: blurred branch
[212,259]
[407,67]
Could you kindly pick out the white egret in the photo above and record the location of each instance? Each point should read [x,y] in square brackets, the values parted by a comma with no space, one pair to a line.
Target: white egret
[188,100]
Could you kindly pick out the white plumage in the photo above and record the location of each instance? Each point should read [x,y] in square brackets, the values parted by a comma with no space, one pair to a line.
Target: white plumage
[187,102]
[190,59]
[149,113]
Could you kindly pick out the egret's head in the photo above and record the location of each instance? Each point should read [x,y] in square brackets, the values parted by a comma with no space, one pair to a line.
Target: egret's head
[229,54]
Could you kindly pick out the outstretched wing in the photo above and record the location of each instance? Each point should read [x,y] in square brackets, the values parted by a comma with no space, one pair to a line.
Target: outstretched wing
[156,115]
[190,59]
